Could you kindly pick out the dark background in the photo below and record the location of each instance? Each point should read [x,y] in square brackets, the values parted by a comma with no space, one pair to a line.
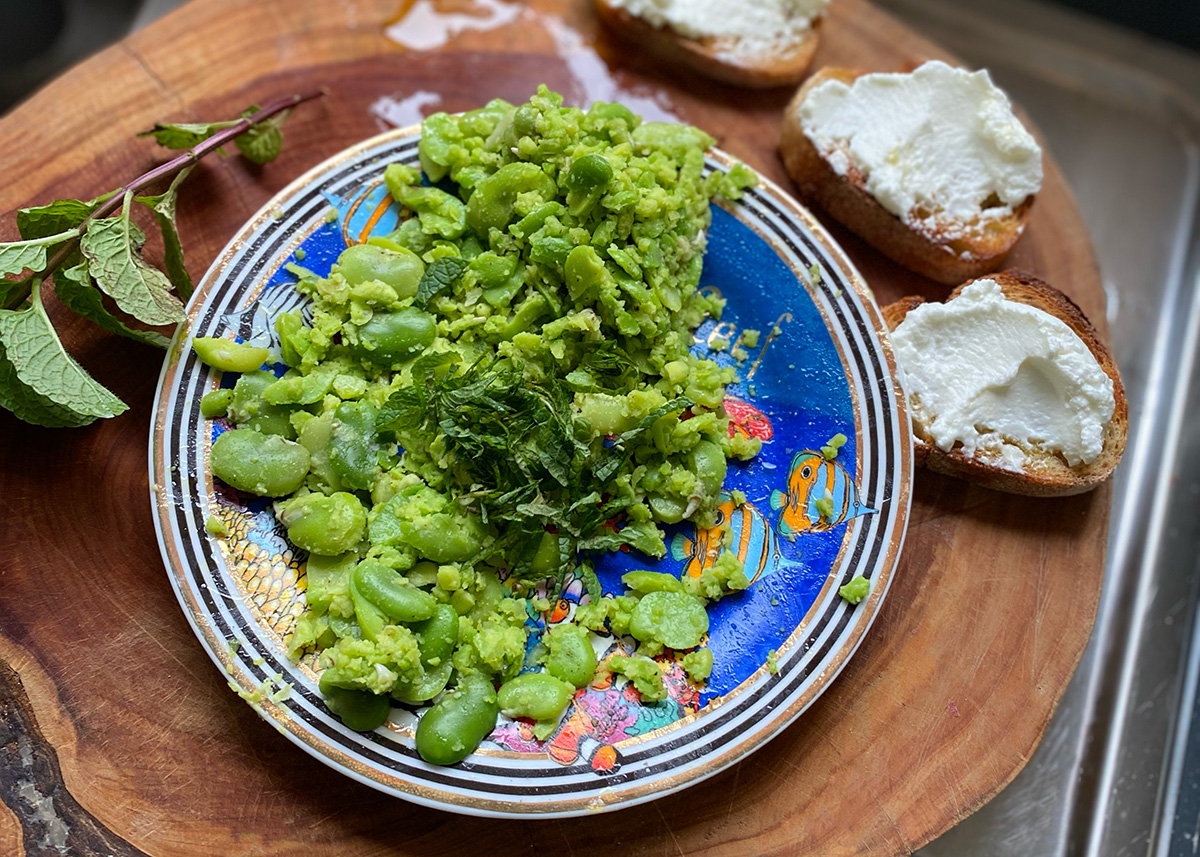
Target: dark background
[41,38]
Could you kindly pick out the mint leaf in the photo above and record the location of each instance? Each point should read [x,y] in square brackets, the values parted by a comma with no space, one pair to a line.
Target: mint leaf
[163,207]
[8,288]
[17,256]
[74,288]
[184,135]
[261,143]
[41,221]
[113,246]
[439,277]
[39,381]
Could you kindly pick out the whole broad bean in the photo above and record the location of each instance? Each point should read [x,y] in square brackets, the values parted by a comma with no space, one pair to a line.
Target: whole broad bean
[249,409]
[324,524]
[447,537]
[491,203]
[586,182]
[668,510]
[675,619]
[438,635]
[399,268]
[455,725]
[360,710]
[393,338]
[387,589]
[708,463]
[540,696]
[353,450]
[227,355]
[570,657]
[263,464]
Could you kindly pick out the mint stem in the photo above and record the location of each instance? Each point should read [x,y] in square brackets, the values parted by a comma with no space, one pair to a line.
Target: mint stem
[169,168]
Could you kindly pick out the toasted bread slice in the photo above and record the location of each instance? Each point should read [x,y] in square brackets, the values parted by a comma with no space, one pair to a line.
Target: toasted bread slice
[947,259]
[1046,474]
[712,57]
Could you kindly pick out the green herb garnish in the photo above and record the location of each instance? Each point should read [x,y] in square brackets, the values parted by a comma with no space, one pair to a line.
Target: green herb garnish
[93,252]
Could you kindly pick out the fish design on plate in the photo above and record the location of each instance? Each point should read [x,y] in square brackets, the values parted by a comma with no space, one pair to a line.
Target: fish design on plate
[742,529]
[820,495]
[370,211]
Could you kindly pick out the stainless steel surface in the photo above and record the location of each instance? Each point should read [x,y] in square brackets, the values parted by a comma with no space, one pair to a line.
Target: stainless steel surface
[1114,769]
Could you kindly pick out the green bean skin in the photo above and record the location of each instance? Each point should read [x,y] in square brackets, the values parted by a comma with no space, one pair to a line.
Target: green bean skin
[393,338]
[384,587]
[216,403]
[456,724]
[227,355]
[430,684]
[326,525]
[540,696]
[360,710]
[262,464]
[399,268]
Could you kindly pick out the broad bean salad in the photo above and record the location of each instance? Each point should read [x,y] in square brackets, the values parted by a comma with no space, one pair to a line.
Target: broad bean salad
[486,400]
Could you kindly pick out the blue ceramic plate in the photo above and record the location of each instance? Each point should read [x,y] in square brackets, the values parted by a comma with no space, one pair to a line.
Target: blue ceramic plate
[821,367]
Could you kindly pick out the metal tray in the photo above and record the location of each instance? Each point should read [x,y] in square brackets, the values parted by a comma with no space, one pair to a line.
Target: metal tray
[1118,771]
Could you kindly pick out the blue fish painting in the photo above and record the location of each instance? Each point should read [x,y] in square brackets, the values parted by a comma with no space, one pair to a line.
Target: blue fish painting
[741,529]
[820,495]
[370,211]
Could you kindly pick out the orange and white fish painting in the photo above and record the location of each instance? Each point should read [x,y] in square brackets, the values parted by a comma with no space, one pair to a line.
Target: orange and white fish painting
[820,495]
[741,529]
[371,211]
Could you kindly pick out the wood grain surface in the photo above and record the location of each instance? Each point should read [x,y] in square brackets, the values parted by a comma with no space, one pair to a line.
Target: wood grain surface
[117,734]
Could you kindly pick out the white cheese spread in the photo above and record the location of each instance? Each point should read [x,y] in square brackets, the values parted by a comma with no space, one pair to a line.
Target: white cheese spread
[747,28]
[939,148]
[1004,379]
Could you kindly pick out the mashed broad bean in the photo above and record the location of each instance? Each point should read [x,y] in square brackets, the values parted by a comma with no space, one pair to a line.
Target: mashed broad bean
[486,399]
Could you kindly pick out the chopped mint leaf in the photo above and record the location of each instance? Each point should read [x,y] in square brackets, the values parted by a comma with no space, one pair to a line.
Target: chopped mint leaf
[441,274]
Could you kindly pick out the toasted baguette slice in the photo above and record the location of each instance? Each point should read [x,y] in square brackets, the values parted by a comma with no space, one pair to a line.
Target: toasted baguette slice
[947,260]
[1046,475]
[712,57]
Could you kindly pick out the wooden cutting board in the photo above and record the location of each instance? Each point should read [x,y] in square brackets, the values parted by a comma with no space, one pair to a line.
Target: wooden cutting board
[118,734]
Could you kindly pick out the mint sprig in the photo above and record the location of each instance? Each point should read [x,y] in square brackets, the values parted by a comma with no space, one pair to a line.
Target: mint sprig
[93,252]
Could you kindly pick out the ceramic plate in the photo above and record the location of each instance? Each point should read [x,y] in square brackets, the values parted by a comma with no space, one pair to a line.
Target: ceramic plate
[820,367]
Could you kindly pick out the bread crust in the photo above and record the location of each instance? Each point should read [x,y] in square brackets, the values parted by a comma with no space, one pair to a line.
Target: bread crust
[1047,475]
[846,199]
[704,56]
